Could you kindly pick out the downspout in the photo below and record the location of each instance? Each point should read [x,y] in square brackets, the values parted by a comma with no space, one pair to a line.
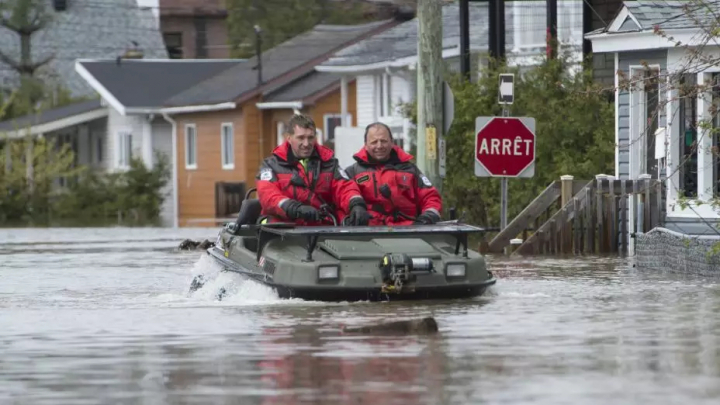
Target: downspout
[176,214]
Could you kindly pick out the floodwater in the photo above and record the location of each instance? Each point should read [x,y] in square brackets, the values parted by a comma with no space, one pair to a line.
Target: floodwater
[102,316]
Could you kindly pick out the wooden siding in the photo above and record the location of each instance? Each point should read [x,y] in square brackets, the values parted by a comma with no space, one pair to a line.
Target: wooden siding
[625,60]
[196,187]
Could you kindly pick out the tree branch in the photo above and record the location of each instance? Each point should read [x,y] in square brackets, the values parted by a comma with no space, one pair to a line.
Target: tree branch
[9,61]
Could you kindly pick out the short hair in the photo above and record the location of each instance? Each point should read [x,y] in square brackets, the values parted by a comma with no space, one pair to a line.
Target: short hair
[376,125]
[302,121]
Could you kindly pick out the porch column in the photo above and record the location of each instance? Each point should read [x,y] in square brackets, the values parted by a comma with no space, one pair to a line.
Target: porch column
[386,95]
[704,152]
[147,148]
[673,135]
[344,102]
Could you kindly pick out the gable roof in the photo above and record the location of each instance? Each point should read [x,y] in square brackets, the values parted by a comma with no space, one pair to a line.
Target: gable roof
[54,119]
[97,29]
[302,92]
[289,60]
[398,45]
[138,85]
[640,18]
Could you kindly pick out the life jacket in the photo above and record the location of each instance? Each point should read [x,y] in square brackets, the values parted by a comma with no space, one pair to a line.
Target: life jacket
[316,181]
[411,191]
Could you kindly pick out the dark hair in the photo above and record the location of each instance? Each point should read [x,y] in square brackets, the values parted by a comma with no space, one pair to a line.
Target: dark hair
[375,125]
[300,120]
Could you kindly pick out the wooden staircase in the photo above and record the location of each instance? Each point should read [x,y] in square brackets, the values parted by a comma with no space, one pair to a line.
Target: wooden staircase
[584,216]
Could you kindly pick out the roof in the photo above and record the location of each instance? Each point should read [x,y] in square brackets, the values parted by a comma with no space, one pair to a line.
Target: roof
[303,88]
[293,58]
[138,83]
[401,41]
[645,15]
[82,110]
[94,29]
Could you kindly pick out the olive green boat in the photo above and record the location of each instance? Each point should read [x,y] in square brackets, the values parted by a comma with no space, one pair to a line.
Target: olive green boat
[353,263]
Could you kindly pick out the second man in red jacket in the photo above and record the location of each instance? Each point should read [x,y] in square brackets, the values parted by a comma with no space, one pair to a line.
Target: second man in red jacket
[395,190]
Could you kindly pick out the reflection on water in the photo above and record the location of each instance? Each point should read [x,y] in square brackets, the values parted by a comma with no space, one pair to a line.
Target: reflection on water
[103,316]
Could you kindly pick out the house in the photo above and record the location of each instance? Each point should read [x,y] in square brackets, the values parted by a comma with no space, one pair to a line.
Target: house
[194,29]
[102,29]
[658,130]
[219,118]
[384,65]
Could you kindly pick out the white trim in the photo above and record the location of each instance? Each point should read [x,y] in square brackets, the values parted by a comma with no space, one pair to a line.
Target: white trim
[705,156]
[187,156]
[279,133]
[227,166]
[635,41]
[638,121]
[277,105]
[617,116]
[58,124]
[97,86]
[704,210]
[673,149]
[402,62]
[623,15]
[176,214]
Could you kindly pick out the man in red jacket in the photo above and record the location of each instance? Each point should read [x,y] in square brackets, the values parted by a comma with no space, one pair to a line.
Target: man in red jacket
[300,177]
[396,191]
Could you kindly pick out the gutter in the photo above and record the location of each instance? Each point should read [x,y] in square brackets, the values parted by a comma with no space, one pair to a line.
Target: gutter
[293,105]
[176,214]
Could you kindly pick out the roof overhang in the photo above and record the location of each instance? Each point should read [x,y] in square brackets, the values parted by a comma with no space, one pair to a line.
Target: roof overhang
[644,40]
[401,62]
[280,105]
[57,124]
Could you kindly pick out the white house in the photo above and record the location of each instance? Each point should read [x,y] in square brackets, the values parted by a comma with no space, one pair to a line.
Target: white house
[656,128]
[384,65]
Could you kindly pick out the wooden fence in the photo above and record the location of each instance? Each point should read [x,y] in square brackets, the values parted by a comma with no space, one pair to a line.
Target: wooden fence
[591,217]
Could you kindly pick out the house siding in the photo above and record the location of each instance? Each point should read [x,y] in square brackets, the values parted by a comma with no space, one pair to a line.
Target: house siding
[365,100]
[330,104]
[99,140]
[116,123]
[625,60]
[196,188]
[400,93]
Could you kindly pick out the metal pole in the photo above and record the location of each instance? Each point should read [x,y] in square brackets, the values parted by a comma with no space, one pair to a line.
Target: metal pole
[492,29]
[504,186]
[258,53]
[500,36]
[465,38]
[551,28]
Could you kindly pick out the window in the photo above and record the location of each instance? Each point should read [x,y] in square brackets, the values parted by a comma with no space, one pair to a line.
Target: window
[190,146]
[228,146]
[280,132]
[201,46]
[124,143]
[173,43]
[332,121]
[688,186]
[99,147]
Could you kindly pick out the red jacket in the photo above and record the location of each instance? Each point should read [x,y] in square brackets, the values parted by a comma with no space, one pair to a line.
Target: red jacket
[324,182]
[412,192]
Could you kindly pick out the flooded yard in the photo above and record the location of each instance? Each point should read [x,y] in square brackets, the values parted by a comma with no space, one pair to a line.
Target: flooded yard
[93,316]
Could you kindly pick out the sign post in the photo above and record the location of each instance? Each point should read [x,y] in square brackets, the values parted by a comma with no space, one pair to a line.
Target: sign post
[505,146]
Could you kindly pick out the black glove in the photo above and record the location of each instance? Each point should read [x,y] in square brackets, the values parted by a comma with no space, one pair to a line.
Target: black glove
[427,218]
[358,213]
[296,210]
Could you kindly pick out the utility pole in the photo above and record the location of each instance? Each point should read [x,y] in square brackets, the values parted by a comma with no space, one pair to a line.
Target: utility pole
[496,29]
[429,90]
[258,52]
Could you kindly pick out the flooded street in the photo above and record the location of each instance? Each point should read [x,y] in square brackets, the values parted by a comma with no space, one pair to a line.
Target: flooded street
[103,316]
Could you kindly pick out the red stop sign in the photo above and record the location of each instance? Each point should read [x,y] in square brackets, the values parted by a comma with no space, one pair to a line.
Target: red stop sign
[505,146]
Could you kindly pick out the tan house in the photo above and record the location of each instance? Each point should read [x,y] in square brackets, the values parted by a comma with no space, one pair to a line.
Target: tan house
[194,29]
[219,118]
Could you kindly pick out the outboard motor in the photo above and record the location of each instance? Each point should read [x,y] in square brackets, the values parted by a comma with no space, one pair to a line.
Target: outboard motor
[398,270]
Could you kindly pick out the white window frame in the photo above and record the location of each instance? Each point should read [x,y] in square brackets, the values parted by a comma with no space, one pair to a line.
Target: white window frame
[188,164]
[326,117]
[124,148]
[224,146]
